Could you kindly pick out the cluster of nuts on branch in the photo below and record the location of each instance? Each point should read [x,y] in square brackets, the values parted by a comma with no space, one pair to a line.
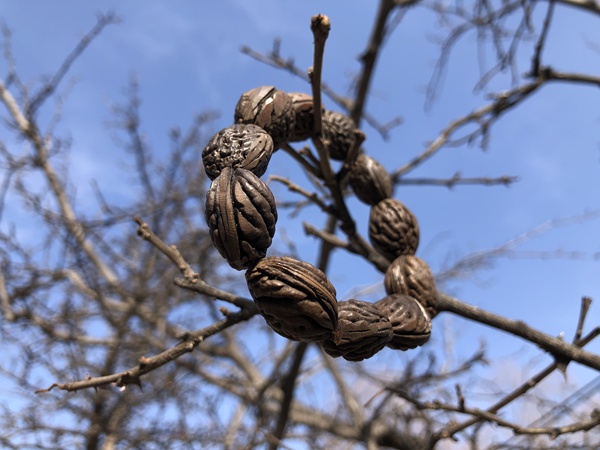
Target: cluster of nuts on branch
[295,298]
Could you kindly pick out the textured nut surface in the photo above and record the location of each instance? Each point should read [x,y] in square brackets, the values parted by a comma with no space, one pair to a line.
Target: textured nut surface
[241,145]
[362,331]
[241,215]
[295,298]
[305,119]
[369,180]
[410,275]
[270,109]
[410,322]
[338,129]
[393,229]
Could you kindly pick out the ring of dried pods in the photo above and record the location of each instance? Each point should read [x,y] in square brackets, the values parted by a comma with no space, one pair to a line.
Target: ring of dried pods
[295,298]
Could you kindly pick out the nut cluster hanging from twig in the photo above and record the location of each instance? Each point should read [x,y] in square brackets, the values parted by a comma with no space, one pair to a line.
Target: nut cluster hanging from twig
[295,298]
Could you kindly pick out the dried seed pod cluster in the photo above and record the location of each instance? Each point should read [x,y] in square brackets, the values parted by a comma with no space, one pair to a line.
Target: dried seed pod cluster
[295,298]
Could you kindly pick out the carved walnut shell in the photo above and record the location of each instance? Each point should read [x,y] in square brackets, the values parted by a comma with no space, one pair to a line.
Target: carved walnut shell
[338,129]
[393,229]
[362,331]
[241,145]
[410,275]
[241,215]
[269,108]
[305,119]
[369,180]
[295,298]
[411,325]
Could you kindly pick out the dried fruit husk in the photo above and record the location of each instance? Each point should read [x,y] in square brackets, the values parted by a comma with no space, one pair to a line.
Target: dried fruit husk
[240,145]
[270,109]
[362,331]
[305,118]
[338,130]
[295,298]
[411,325]
[410,275]
[369,180]
[393,229]
[241,215]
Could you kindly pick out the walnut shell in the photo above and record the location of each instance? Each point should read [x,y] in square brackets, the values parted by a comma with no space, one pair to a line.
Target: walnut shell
[362,331]
[305,119]
[241,215]
[241,145]
[393,229]
[411,325]
[269,108]
[295,298]
[338,129]
[410,275]
[369,180]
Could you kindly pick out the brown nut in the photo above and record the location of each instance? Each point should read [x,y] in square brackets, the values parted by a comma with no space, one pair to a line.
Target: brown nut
[305,119]
[295,298]
[241,215]
[369,180]
[241,145]
[338,129]
[393,229]
[361,332]
[269,108]
[410,275]
[411,325]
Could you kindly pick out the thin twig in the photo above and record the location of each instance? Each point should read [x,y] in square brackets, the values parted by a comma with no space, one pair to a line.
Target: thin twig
[556,347]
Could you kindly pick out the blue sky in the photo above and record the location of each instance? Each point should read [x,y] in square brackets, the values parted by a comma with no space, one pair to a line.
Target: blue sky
[186,57]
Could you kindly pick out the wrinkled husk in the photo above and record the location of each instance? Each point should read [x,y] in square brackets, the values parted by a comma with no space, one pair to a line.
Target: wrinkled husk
[270,109]
[410,275]
[241,145]
[295,298]
[362,331]
[305,118]
[369,180]
[411,325]
[393,229]
[241,215]
[338,130]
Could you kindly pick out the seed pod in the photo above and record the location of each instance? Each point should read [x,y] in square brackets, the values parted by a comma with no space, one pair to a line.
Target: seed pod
[305,119]
[369,180]
[269,108]
[410,275]
[361,332]
[338,129]
[241,145]
[393,229]
[241,215]
[411,325]
[295,298]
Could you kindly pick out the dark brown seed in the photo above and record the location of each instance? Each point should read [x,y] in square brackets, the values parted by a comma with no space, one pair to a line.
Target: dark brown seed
[295,298]
[338,129]
[241,215]
[305,119]
[410,275]
[411,324]
[393,229]
[241,145]
[361,332]
[270,109]
[369,180]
